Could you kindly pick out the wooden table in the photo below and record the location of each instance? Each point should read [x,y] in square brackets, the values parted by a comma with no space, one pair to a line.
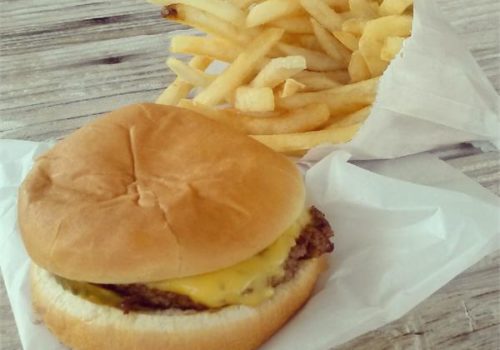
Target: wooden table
[64,62]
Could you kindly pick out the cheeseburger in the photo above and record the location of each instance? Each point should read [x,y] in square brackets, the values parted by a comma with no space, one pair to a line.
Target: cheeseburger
[156,228]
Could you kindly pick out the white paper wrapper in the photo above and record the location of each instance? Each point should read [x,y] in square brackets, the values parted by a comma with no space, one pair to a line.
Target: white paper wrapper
[433,94]
[396,243]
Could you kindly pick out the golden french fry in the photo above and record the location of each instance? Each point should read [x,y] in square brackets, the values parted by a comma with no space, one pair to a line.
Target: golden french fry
[179,89]
[358,70]
[259,114]
[392,45]
[254,99]
[206,22]
[215,48]
[290,87]
[316,60]
[350,119]
[300,120]
[314,81]
[218,8]
[271,10]
[363,9]
[355,26]
[330,44]
[340,100]
[193,76]
[240,70]
[374,34]
[326,16]
[278,70]
[382,27]
[296,25]
[338,5]
[307,41]
[341,76]
[370,51]
[394,7]
[307,140]
[243,4]
[347,39]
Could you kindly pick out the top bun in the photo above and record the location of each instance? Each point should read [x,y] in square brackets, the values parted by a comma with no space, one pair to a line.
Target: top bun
[152,192]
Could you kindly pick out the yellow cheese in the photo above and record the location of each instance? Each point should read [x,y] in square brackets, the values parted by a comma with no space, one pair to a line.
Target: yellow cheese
[244,283]
[91,292]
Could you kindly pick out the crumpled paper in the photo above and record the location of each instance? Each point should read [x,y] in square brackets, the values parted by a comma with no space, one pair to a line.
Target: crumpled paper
[401,234]
[432,95]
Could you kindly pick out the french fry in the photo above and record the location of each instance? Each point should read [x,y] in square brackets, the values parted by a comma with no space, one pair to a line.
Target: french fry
[363,9]
[308,41]
[241,69]
[326,16]
[330,44]
[358,70]
[316,60]
[347,39]
[341,76]
[392,45]
[243,4]
[296,25]
[355,26]
[307,140]
[215,48]
[289,88]
[394,7]
[340,100]
[260,114]
[193,76]
[374,34]
[382,27]
[338,5]
[206,22]
[179,89]
[254,99]
[222,9]
[300,120]
[353,118]
[314,81]
[271,10]
[278,70]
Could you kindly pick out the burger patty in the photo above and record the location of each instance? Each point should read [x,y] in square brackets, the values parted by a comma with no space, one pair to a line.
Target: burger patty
[313,241]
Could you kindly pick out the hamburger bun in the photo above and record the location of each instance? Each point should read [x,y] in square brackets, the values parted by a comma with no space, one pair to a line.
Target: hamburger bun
[152,192]
[83,325]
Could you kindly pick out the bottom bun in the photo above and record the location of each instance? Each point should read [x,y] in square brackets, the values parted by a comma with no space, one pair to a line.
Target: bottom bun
[83,325]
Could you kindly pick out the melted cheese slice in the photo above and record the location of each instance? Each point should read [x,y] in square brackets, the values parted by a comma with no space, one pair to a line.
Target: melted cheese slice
[247,282]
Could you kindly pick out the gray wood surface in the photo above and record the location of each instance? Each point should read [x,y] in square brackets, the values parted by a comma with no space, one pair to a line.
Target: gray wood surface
[63,62]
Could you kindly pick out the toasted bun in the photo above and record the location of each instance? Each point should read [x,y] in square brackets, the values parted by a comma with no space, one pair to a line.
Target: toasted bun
[152,192]
[83,325]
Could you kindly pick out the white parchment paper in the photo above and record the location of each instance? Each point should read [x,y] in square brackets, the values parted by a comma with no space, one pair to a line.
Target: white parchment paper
[432,94]
[403,228]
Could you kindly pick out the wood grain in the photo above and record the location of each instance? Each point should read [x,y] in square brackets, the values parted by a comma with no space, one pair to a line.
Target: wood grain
[64,62]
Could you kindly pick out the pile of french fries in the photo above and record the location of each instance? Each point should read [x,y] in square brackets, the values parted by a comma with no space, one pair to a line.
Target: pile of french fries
[299,73]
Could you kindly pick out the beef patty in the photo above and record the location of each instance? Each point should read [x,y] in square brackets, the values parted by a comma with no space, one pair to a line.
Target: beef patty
[313,241]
